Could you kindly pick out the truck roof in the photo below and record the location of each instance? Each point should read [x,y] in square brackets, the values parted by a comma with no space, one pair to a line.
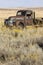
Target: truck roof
[25,10]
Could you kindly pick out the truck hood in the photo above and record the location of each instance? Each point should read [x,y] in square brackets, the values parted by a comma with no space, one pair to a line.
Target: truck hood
[18,17]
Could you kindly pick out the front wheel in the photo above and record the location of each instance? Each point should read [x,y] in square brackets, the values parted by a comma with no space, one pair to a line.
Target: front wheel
[21,25]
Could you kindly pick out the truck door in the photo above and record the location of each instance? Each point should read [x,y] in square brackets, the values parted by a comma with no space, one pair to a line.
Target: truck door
[28,18]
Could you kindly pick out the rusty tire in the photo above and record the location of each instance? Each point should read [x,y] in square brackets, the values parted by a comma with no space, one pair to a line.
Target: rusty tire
[21,25]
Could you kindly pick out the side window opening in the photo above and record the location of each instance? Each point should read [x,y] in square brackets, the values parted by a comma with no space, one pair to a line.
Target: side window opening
[29,15]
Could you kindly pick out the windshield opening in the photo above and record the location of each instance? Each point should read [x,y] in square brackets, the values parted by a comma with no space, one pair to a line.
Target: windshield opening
[21,13]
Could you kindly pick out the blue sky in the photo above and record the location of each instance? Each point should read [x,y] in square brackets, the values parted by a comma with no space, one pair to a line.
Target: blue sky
[20,3]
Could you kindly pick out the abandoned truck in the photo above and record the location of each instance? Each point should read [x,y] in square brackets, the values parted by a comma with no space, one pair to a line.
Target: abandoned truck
[23,18]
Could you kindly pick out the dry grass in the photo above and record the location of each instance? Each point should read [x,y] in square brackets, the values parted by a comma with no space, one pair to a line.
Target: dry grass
[21,46]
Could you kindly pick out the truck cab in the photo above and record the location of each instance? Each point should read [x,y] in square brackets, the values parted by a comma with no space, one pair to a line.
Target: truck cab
[22,18]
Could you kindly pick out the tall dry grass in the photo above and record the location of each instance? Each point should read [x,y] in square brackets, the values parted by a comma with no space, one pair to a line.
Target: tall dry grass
[21,46]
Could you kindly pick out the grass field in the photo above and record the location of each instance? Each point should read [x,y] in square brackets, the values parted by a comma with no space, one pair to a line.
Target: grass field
[20,46]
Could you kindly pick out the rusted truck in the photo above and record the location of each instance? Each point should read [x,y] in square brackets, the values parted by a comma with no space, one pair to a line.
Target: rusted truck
[22,19]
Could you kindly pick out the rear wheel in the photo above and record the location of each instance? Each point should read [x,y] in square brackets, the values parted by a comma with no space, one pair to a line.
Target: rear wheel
[36,22]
